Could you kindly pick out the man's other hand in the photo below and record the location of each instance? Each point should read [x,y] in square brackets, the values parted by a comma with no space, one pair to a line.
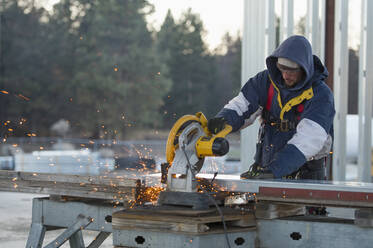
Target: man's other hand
[216,124]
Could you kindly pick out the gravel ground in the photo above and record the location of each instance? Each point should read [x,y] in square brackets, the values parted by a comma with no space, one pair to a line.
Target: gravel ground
[15,222]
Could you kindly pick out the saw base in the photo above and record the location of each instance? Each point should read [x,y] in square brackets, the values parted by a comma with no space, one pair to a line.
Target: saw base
[195,200]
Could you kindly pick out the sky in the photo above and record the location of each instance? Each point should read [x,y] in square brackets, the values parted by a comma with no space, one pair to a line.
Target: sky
[218,16]
[222,16]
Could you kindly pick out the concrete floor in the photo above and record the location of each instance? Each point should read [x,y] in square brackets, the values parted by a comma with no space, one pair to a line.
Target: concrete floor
[15,221]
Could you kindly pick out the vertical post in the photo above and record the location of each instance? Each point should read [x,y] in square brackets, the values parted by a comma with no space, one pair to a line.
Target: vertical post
[287,19]
[329,40]
[365,93]
[322,30]
[258,19]
[340,89]
[2,69]
[313,26]
[329,57]
[270,35]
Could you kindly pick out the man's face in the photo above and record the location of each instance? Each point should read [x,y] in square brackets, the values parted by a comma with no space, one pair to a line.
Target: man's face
[291,76]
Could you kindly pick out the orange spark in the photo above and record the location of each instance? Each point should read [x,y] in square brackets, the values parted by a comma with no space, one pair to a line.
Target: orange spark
[23,97]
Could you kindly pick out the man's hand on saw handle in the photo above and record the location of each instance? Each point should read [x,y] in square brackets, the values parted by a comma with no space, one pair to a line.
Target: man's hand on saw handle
[216,124]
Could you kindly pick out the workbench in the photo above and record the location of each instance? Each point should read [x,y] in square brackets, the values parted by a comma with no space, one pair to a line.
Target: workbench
[275,213]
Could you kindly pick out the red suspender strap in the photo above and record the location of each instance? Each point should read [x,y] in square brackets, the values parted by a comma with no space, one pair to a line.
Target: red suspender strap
[269,97]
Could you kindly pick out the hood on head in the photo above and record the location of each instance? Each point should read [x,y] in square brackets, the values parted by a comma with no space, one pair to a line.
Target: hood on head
[298,49]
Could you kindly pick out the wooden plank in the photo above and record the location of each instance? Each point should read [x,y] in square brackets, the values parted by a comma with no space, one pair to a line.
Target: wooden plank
[153,215]
[130,224]
[150,219]
[99,187]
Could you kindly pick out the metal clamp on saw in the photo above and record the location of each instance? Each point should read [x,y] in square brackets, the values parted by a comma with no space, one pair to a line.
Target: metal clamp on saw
[188,143]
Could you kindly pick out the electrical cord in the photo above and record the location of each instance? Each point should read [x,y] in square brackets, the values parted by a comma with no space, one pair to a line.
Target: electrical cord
[208,195]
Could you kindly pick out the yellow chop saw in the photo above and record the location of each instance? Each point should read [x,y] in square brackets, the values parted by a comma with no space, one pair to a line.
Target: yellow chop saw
[188,143]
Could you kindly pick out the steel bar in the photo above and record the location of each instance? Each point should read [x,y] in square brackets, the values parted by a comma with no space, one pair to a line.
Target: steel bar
[81,223]
[99,240]
[110,187]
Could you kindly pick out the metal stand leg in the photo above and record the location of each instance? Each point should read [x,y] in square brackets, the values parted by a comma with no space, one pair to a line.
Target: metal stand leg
[76,240]
[37,230]
[36,236]
[70,231]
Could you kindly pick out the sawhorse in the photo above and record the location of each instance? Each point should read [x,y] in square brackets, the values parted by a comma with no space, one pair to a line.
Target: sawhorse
[75,216]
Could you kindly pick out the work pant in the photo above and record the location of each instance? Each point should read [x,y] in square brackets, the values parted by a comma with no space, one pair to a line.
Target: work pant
[314,170]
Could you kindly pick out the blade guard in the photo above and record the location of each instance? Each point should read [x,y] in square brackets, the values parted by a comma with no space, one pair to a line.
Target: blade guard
[207,145]
[172,140]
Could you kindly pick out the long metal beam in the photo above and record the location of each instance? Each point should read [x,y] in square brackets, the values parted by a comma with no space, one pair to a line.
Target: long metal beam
[342,193]
[234,183]
[111,187]
[353,194]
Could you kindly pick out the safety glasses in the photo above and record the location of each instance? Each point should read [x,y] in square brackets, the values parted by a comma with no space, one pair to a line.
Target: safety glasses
[288,70]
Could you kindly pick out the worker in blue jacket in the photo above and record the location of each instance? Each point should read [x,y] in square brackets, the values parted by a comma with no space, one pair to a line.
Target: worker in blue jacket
[296,110]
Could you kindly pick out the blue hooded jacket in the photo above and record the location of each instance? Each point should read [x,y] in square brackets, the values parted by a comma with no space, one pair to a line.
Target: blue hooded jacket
[285,152]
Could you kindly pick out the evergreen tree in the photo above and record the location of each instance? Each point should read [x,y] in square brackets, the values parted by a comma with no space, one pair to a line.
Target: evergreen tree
[24,69]
[190,66]
[120,82]
[228,62]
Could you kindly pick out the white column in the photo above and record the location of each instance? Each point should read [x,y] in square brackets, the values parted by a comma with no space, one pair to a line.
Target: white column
[258,37]
[270,20]
[340,89]
[287,19]
[365,92]
[321,54]
[313,26]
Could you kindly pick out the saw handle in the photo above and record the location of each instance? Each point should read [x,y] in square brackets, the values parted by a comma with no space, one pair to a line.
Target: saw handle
[215,145]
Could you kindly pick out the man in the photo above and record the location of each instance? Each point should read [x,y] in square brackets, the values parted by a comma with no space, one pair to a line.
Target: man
[296,109]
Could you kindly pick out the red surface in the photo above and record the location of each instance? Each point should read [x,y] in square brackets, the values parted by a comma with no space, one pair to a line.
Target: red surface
[315,194]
